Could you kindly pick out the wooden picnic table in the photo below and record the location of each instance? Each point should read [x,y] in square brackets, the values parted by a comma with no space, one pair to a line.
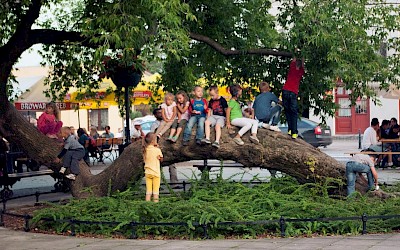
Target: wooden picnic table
[372,153]
[389,141]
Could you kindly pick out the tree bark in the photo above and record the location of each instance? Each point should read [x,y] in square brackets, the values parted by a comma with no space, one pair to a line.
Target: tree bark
[230,52]
[276,151]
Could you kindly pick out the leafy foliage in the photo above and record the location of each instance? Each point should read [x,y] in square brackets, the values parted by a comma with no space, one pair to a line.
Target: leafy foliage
[224,201]
[340,41]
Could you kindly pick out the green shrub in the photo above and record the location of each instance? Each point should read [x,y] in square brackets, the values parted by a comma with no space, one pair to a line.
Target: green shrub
[223,201]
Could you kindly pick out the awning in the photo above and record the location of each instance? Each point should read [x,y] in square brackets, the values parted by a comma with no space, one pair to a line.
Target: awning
[103,100]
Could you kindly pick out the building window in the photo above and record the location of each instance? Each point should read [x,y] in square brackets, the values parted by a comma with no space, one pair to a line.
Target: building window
[343,91]
[344,107]
[98,118]
[361,106]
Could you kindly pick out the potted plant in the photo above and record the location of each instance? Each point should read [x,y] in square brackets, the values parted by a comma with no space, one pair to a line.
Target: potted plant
[123,72]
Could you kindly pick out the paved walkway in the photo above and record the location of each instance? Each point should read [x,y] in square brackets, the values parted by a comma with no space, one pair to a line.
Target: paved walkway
[20,240]
[10,240]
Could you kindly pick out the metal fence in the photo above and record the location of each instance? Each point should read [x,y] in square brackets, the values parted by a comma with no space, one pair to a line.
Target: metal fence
[281,223]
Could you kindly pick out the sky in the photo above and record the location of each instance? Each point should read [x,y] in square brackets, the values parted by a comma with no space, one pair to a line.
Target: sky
[30,58]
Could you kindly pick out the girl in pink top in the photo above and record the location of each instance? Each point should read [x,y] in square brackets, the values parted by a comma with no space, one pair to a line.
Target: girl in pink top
[183,116]
[49,122]
[168,114]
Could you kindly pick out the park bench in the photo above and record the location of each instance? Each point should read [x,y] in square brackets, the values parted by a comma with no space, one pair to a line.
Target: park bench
[106,148]
[207,167]
[31,174]
[373,153]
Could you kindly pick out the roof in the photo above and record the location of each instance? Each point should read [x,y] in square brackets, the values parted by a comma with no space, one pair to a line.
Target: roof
[34,92]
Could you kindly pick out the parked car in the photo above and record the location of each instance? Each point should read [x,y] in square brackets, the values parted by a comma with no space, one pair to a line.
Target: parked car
[145,122]
[312,132]
[146,126]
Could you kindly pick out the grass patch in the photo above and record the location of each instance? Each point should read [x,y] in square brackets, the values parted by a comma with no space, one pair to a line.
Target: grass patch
[208,203]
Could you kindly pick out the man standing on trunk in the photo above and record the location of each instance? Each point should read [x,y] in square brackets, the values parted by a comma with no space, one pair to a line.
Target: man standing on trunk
[289,94]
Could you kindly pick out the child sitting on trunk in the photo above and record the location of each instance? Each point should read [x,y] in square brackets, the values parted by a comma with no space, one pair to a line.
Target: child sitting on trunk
[71,154]
[49,121]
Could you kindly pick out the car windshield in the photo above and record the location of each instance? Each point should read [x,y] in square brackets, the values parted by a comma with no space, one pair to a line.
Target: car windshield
[305,123]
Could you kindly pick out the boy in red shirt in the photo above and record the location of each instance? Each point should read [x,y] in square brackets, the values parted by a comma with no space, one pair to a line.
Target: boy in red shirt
[289,94]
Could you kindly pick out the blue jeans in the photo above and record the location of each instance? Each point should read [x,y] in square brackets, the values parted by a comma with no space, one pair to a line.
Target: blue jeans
[200,127]
[352,168]
[274,114]
[289,100]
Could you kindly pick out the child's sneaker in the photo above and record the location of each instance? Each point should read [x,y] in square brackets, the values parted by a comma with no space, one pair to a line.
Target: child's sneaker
[62,170]
[294,136]
[254,139]
[205,141]
[274,128]
[169,138]
[52,136]
[174,139]
[198,142]
[289,132]
[71,176]
[215,144]
[265,125]
[238,141]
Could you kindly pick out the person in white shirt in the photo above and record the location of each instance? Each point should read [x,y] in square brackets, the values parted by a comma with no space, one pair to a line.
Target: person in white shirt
[360,164]
[137,132]
[370,141]
[169,113]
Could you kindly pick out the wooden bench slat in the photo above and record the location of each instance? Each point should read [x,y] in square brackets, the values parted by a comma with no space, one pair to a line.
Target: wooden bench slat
[33,173]
[390,140]
[218,166]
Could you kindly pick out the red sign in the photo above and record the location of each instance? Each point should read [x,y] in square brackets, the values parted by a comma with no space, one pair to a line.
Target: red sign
[96,96]
[141,94]
[41,106]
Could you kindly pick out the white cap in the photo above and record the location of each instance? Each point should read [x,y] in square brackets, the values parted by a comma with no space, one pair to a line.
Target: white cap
[136,123]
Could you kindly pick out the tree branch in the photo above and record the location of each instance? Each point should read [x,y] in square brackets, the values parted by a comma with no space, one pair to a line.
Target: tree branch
[16,45]
[57,37]
[31,15]
[229,52]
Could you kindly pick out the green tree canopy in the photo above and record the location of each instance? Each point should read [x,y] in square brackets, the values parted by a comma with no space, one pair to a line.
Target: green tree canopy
[243,41]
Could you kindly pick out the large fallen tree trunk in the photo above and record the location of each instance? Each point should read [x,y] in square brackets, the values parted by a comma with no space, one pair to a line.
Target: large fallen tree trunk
[276,151]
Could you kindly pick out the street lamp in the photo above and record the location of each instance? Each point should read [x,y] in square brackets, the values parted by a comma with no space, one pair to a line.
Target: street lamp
[125,77]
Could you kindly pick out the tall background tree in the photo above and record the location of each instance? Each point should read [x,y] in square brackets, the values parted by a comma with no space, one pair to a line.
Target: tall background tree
[222,41]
